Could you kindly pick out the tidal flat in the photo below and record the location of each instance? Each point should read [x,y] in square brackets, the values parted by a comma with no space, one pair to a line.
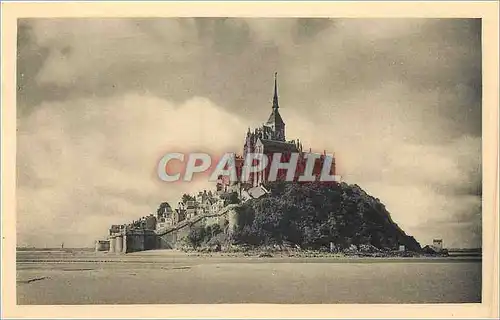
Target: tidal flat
[174,277]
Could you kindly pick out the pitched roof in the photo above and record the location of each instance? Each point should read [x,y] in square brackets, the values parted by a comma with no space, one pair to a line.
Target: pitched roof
[257,192]
[275,118]
[278,146]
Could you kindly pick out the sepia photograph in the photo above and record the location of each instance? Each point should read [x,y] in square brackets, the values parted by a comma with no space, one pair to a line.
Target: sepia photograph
[249,160]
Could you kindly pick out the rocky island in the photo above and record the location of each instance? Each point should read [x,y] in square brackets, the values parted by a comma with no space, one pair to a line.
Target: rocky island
[335,218]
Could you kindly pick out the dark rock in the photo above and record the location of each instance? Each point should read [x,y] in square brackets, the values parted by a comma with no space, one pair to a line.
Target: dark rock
[368,248]
[265,255]
[313,215]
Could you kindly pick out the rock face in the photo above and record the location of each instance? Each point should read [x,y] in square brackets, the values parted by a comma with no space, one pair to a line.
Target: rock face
[318,216]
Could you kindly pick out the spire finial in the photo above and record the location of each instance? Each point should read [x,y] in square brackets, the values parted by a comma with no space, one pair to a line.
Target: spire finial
[275,98]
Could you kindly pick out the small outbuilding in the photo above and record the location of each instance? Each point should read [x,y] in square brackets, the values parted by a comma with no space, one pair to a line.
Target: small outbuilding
[102,245]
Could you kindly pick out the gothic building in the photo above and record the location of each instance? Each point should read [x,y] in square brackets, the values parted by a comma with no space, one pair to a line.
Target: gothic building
[269,139]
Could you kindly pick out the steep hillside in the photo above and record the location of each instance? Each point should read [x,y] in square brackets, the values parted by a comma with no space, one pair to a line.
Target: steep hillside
[312,215]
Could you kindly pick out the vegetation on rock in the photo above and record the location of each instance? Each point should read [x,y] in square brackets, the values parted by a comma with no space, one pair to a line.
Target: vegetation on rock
[187,197]
[163,208]
[315,215]
[232,199]
[205,236]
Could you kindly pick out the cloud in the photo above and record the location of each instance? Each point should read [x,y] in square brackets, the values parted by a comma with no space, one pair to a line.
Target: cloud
[231,62]
[88,163]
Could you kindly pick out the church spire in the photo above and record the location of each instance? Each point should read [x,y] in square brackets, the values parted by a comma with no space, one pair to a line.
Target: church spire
[275,122]
[275,98]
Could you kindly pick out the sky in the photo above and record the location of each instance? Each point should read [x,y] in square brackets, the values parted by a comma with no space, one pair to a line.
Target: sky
[100,101]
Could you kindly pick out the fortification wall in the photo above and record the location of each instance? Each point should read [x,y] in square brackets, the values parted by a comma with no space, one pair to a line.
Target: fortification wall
[132,241]
[141,240]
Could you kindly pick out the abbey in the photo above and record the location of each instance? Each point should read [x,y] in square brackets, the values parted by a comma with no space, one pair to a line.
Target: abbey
[270,140]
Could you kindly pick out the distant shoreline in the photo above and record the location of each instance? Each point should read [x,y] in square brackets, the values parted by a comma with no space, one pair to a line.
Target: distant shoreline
[53,249]
[177,256]
[306,253]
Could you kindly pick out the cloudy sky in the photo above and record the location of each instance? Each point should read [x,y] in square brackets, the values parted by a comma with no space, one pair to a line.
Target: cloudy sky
[100,101]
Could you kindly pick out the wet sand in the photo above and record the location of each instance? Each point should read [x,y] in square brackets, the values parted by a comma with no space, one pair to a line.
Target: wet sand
[171,277]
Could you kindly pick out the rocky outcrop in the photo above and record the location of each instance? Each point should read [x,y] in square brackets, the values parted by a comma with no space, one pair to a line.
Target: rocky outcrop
[319,215]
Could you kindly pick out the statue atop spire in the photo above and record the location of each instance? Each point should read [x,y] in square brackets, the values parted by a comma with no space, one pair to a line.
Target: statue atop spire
[275,98]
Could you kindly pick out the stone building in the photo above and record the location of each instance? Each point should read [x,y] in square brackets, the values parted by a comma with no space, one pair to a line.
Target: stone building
[437,244]
[102,245]
[268,140]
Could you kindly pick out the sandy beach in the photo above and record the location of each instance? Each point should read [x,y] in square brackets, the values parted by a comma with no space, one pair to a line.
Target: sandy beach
[173,277]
